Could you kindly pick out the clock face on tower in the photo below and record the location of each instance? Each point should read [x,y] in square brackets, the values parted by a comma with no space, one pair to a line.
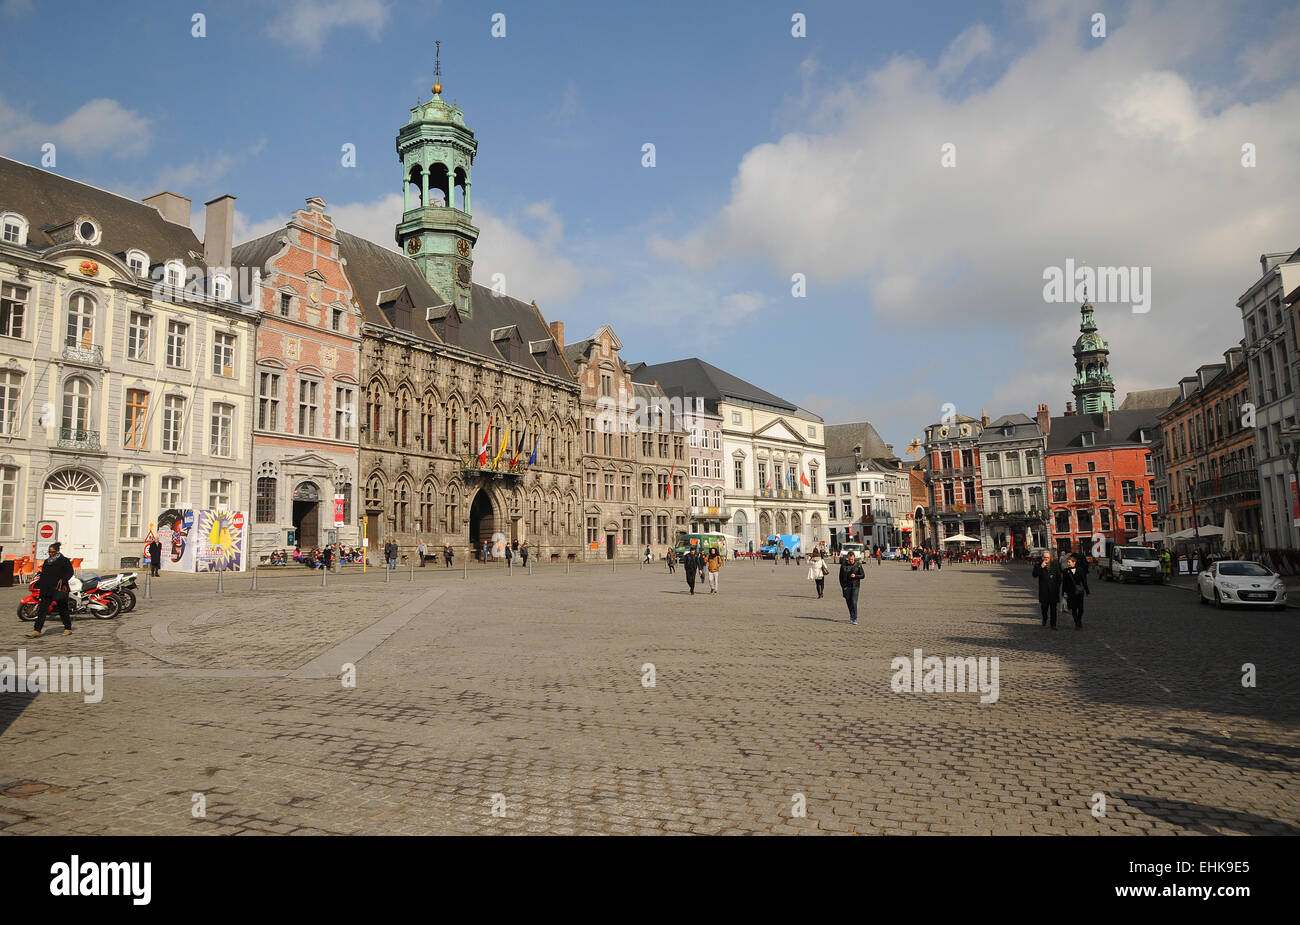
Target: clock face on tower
[413,246]
[462,247]
[462,273]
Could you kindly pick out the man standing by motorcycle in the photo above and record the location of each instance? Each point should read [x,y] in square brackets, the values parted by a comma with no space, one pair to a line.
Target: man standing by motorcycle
[53,583]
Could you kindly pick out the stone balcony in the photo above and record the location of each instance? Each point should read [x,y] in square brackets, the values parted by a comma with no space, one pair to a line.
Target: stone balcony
[91,355]
[75,438]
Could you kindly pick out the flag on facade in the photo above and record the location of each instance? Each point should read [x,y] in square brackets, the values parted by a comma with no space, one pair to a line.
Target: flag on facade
[519,446]
[668,489]
[803,477]
[505,439]
[482,450]
[532,460]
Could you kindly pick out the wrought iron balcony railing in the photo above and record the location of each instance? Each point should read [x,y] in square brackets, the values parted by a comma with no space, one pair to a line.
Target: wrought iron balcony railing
[75,438]
[92,355]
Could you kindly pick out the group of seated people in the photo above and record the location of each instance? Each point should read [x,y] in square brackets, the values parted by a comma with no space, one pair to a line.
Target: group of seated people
[315,557]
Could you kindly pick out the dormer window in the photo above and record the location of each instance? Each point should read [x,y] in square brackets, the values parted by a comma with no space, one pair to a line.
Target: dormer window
[1088,438]
[138,261]
[175,274]
[1144,435]
[87,231]
[221,288]
[13,229]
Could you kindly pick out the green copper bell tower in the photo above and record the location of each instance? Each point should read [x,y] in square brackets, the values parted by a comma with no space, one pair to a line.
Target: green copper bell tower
[437,150]
[1094,390]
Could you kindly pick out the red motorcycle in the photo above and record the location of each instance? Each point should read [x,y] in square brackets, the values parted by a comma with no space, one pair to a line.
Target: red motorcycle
[84,597]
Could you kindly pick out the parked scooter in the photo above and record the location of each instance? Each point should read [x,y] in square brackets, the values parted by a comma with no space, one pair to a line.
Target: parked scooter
[123,585]
[84,597]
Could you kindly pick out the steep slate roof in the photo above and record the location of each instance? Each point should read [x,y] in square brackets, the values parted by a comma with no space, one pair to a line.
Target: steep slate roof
[837,466]
[574,352]
[1023,428]
[1159,399]
[842,438]
[375,271]
[1067,431]
[48,200]
[693,378]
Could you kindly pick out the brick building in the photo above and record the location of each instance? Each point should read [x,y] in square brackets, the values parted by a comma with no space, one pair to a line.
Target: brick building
[305,449]
[1207,454]
[953,477]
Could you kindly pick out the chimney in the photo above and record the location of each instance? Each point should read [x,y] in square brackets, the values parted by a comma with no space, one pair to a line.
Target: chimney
[984,417]
[315,204]
[1044,419]
[557,333]
[1105,419]
[175,209]
[218,229]
[1069,409]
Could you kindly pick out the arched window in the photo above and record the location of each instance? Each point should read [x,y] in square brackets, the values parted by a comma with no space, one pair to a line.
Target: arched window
[375,410]
[375,494]
[428,506]
[76,407]
[81,321]
[401,417]
[453,416]
[452,506]
[401,505]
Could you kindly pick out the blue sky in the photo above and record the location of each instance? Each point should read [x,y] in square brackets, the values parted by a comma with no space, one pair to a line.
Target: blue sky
[774,155]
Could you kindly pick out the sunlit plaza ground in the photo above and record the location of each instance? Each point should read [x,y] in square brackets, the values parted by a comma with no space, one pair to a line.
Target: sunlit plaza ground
[527,702]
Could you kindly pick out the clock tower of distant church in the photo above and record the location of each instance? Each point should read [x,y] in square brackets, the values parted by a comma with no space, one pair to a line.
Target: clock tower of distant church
[437,151]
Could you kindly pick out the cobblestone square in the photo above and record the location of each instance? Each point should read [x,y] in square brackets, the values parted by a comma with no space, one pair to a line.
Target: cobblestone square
[518,704]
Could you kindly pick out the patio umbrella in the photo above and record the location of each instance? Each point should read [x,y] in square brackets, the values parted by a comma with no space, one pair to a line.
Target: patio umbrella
[1229,527]
[960,538]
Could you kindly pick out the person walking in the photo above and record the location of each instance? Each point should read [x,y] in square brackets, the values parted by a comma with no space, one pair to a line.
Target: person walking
[671,559]
[155,557]
[648,557]
[1048,573]
[52,584]
[447,554]
[693,564]
[851,575]
[328,554]
[713,563]
[817,571]
[422,551]
[523,554]
[510,555]
[1074,583]
[486,551]
[392,555]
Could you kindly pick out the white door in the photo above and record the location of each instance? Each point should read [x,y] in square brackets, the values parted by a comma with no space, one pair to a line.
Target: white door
[72,498]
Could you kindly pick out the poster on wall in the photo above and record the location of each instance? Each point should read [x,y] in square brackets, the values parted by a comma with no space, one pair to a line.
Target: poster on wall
[175,527]
[202,541]
[219,541]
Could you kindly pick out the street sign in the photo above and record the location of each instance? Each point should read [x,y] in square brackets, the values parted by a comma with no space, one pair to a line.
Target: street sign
[238,520]
[47,531]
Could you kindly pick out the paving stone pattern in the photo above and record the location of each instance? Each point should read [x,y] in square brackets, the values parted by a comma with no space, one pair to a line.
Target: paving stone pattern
[526,692]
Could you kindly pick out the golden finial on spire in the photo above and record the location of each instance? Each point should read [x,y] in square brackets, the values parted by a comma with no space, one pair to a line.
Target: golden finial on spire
[437,68]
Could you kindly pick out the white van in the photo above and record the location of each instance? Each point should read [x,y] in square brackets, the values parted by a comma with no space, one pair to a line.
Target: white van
[1131,563]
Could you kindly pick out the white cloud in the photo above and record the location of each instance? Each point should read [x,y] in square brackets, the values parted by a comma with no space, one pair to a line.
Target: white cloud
[1112,151]
[304,24]
[100,126]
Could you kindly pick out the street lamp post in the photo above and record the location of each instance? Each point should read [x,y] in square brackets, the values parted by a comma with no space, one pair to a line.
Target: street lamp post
[1143,509]
[1196,524]
[1292,436]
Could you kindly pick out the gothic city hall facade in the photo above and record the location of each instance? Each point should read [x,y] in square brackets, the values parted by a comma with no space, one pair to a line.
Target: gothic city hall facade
[326,387]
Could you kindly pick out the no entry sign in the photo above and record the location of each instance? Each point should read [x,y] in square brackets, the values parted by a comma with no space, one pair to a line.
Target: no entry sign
[47,531]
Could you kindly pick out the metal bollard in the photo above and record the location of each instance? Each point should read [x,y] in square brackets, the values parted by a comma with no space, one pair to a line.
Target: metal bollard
[148,590]
[465,577]
[254,588]
[323,573]
[220,583]
[566,568]
[412,573]
[388,574]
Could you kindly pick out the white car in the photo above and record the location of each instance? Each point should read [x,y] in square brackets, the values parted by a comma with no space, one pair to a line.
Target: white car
[1239,582]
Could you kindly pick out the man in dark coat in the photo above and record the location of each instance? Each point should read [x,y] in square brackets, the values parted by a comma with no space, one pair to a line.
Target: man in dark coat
[851,575]
[693,563]
[155,557]
[1048,573]
[52,585]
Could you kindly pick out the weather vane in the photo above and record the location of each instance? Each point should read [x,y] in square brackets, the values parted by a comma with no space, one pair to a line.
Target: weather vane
[437,67]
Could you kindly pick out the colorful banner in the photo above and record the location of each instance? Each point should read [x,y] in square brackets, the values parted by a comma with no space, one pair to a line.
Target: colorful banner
[202,540]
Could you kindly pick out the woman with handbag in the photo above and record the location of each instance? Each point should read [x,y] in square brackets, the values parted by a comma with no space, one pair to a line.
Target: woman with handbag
[817,571]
